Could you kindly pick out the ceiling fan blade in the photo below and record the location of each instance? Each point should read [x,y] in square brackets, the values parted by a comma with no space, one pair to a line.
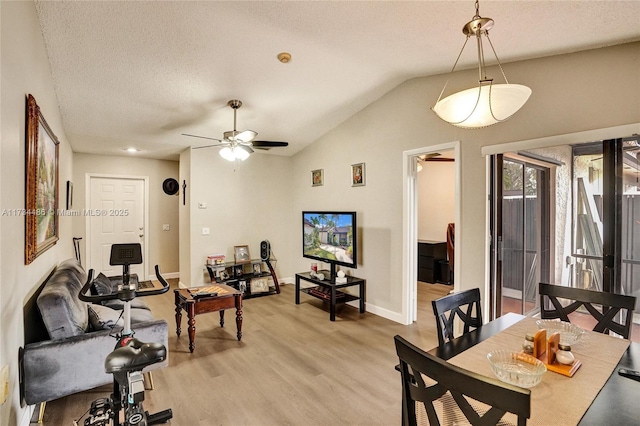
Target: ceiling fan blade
[268,144]
[209,146]
[246,136]
[201,137]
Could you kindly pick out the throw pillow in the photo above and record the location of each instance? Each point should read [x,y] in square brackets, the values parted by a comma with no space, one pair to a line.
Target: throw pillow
[104,318]
[101,285]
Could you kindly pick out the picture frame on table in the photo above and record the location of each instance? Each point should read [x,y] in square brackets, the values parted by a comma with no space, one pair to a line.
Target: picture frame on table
[259,285]
[41,181]
[257,269]
[241,254]
[238,271]
[317,177]
[358,174]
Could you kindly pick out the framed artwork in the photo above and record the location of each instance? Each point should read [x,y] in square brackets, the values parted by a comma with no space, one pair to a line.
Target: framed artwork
[41,204]
[237,271]
[241,254]
[317,177]
[69,195]
[357,174]
[259,285]
[257,269]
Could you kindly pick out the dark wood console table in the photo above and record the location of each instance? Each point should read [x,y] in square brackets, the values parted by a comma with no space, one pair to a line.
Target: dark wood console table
[327,290]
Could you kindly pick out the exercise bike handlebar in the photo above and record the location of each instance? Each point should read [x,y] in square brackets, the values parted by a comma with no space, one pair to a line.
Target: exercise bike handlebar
[112,296]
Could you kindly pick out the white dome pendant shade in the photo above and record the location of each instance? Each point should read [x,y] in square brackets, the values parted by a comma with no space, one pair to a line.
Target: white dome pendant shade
[487,103]
[482,106]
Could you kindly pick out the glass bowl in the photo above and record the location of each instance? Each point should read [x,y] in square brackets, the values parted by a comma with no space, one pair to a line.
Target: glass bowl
[516,368]
[569,333]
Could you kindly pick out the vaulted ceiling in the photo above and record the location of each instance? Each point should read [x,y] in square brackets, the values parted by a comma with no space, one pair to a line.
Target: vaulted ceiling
[140,73]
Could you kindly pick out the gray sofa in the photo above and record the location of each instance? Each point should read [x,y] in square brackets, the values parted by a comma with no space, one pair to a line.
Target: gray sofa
[72,359]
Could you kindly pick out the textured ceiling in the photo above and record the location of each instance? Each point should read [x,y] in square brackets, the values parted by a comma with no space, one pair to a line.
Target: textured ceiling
[136,73]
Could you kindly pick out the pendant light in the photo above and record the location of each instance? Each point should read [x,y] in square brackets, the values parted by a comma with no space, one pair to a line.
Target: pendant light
[488,103]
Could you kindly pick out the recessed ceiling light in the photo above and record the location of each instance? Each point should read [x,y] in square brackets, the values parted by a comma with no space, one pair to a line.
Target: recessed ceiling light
[132,150]
[284,57]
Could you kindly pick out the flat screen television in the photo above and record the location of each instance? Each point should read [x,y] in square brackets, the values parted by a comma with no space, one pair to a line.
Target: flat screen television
[331,237]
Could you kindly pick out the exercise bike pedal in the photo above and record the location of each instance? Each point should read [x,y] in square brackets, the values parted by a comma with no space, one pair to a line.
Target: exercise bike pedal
[159,417]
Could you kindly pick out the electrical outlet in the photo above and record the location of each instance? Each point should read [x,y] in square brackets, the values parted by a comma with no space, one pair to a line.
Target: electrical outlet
[205,231]
[165,227]
[4,384]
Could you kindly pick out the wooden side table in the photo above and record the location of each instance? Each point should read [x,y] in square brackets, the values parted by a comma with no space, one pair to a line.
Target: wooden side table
[227,298]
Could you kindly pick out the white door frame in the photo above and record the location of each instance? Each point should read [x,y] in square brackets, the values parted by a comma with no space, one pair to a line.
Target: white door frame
[87,200]
[410,225]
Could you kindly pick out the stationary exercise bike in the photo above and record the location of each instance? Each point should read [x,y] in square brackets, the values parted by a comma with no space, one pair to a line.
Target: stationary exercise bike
[130,355]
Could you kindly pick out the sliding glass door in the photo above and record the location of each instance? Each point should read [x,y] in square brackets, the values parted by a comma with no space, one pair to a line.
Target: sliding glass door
[521,233]
[567,215]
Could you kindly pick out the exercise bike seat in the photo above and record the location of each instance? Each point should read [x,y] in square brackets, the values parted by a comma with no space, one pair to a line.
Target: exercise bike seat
[135,356]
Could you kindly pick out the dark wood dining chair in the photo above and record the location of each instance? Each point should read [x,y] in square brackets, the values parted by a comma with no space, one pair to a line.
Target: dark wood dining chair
[457,388]
[464,305]
[610,305]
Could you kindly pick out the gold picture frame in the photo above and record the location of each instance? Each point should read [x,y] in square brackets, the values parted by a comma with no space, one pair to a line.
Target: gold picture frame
[241,254]
[357,174]
[317,177]
[41,204]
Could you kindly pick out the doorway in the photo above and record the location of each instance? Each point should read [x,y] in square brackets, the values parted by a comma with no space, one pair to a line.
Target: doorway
[410,222]
[117,212]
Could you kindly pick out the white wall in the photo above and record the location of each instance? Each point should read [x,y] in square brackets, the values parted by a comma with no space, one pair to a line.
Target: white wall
[436,199]
[24,70]
[247,202]
[571,93]
[163,208]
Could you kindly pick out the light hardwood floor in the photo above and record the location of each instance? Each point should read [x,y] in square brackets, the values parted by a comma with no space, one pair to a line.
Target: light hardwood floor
[292,367]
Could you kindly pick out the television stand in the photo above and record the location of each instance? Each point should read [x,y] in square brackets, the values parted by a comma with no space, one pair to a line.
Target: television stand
[327,290]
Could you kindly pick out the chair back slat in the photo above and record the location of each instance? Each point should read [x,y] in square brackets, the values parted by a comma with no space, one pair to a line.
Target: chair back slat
[460,305]
[606,316]
[501,398]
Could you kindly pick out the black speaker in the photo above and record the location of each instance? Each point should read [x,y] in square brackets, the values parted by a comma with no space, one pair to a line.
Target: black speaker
[265,250]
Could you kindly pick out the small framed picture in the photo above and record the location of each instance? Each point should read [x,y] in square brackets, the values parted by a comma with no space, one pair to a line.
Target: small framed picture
[257,269]
[317,177]
[357,174]
[241,254]
[259,285]
[223,275]
[237,271]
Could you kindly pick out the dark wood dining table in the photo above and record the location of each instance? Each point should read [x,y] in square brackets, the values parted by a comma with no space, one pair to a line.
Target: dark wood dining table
[616,403]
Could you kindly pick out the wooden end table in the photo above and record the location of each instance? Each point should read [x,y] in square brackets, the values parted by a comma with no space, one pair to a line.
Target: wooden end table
[227,298]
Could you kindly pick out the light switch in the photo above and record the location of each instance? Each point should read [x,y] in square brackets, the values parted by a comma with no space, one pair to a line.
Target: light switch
[205,231]
[202,205]
[165,227]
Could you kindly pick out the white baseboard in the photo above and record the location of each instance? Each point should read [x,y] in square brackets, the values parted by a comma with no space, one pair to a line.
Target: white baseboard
[286,280]
[167,275]
[384,313]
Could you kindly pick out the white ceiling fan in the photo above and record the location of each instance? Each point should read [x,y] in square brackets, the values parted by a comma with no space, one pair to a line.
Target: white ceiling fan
[238,145]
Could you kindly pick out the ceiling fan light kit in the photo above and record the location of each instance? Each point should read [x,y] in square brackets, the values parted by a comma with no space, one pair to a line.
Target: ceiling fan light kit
[488,103]
[238,145]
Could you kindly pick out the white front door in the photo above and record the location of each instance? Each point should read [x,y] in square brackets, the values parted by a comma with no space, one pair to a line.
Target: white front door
[116,215]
